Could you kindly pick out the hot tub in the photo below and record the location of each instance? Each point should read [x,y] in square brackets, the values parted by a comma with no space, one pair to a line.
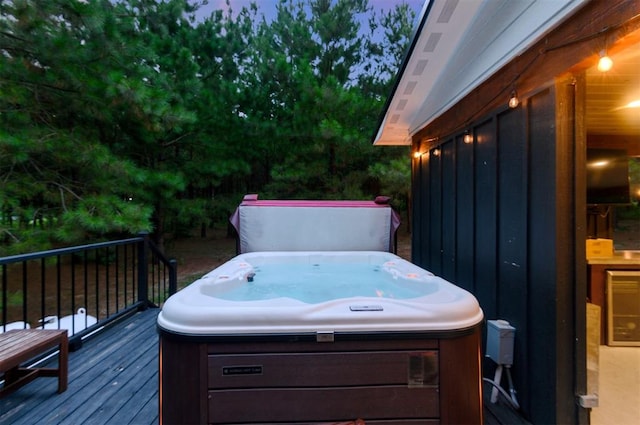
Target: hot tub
[280,293]
[317,337]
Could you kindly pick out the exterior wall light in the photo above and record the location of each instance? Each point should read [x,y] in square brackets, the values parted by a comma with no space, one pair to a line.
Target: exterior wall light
[633,104]
[604,63]
[513,100]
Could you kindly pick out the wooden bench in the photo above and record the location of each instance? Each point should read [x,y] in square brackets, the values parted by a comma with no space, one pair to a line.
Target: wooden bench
[18,346]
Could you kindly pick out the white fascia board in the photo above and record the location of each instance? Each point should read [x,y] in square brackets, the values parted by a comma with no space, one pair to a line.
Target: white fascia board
[460,45]
[503,30]
[440,34]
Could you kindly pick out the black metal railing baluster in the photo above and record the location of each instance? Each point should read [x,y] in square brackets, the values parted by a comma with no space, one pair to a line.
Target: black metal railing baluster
[4,297]
[24,291]
[73,295]
[113,297]
[134,275]
[106,286]
[165,286]
[58,289]
[43,287]
[97,280]
[126,274]
[162,278]
[173,276]
[85,278]
[154,269]
[143,270]
[117,277]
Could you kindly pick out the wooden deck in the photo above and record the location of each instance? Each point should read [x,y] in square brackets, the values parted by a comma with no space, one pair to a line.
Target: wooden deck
[113,379]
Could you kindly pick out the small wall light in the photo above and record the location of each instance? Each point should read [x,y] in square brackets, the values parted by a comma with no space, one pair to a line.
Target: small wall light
[467,138]
[436,152]
[604,63]
[633,104]
[513,100]
[417,154]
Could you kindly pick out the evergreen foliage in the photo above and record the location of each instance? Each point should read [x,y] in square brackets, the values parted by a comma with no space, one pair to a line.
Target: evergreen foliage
[130,115]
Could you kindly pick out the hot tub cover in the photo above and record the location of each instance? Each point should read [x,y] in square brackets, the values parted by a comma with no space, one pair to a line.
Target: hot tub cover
[312,225]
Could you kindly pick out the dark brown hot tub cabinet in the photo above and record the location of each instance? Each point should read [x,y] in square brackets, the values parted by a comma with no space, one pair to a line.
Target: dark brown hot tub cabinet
[407,378]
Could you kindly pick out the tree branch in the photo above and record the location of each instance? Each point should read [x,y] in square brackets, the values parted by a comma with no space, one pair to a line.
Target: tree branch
[34,84]
[62,188]
[11,234]
[9,35]
[176,140]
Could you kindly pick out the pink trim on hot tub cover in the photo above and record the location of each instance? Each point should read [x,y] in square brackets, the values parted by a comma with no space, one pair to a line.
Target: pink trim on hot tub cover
[251,200]
[379,202]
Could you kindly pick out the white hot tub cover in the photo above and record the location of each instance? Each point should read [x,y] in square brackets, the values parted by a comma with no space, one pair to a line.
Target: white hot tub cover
[288,225]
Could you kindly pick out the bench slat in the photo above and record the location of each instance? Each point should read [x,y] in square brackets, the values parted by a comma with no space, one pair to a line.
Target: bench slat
[18,346]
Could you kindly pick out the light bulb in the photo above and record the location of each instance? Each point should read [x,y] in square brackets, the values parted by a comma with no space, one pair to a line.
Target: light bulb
[468,138]
[633,104]
[513,100]
[605,63]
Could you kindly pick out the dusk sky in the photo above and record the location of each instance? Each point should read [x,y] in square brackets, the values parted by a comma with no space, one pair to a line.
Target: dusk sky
[268,7]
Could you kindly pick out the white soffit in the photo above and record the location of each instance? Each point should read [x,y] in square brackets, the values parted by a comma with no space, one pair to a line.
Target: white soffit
[460,44]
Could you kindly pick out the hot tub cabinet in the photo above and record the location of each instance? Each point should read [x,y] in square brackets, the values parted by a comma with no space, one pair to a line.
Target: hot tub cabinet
[383,378]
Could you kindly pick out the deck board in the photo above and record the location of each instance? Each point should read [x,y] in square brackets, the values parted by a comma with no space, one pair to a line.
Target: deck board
[113,379]
[500,412]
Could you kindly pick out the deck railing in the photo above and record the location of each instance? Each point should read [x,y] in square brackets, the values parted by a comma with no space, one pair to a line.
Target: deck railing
[83,288]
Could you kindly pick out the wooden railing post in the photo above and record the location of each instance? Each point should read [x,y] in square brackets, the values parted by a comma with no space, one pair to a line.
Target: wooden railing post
[143,270]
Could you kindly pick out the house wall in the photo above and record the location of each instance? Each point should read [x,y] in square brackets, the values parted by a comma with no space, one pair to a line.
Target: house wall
[505,216]
[485,218]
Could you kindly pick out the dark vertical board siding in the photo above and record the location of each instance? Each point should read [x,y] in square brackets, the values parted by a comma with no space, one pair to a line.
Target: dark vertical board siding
[485,218]
[571,303]
[448,257]
[490,213]
[425,200]
[580,235]
[542,265]
[512,222]
[464,216]
[417,223]
[512,231]
[435,213]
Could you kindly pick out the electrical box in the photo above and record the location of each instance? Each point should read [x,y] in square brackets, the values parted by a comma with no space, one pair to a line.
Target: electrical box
[500,337]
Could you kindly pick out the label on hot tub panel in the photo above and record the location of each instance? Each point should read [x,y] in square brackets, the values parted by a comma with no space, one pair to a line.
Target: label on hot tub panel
[423,369]
[242,370]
